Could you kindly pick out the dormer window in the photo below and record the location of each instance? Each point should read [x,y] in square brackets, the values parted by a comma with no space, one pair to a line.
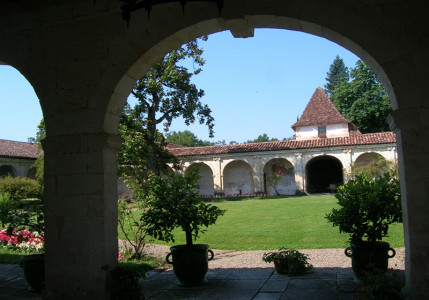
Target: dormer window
[321,131]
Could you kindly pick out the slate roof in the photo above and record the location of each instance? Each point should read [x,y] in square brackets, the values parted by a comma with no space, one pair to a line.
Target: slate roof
[15,149]
[320,111]
[353,140]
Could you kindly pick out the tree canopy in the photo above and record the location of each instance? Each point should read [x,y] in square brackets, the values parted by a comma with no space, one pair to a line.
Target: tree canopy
[363,100]
[262,138]
[188,139]
[164,93]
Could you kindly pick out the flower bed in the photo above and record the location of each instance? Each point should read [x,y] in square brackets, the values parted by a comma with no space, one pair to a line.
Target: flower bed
[22,240]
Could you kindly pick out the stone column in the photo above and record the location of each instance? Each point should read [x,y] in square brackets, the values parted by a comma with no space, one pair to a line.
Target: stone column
[299,173]
[258,174]
[412,133]
[81,213]
[217,175]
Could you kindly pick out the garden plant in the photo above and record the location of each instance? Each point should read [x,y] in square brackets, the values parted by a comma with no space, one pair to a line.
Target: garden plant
[173,201]
[290,262]
[367,208]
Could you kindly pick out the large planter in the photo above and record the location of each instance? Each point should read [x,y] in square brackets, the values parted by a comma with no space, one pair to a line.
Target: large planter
[366,257]
[190,263]
[34,271]
[281,266]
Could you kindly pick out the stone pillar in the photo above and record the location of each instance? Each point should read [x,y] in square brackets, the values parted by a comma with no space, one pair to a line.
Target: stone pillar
[412,133]
[81,213]
[217,175]
[299,173]
[258,174]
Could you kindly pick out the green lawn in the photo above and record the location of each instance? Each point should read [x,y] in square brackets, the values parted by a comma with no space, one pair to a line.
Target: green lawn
[266,224]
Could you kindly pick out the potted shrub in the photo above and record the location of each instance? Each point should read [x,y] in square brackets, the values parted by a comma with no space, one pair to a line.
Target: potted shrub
[288,261]
[367,208]
[173,201]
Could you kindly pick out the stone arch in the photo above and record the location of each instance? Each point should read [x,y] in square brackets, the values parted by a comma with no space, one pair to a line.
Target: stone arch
[238,178]
[7,170]
[323,173]
[286,184]
[206,186]
[367,158]
[372,164]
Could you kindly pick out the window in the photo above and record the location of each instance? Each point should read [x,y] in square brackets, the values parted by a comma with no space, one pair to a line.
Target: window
[321,131]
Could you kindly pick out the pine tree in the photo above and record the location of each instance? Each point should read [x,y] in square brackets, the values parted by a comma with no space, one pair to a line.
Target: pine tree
[363,100]
[337,74]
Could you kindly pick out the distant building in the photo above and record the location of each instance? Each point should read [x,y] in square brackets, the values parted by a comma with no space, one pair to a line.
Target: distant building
[17,158]
[317,161]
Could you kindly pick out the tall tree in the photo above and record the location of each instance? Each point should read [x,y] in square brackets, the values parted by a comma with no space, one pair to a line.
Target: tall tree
[338,73]
[164,93]
[363,100]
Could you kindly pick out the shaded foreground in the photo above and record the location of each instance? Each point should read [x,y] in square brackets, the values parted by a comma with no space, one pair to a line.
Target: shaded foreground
[256,284]
[233,283]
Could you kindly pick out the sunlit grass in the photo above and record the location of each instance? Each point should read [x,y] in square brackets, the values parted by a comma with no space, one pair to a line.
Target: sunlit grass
[266,224]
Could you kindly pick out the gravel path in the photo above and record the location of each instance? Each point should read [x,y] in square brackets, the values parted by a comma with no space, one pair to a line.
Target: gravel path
[321,258]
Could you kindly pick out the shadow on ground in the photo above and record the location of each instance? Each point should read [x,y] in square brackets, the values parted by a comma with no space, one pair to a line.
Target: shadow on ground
[255,283]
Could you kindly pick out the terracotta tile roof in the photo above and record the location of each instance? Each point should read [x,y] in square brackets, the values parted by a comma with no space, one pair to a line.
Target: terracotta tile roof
[363,139]
[18,149]
[320,111]
[172,146]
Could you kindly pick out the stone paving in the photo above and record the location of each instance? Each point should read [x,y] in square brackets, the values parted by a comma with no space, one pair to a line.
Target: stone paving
[237,284]
[256,284]
[13,285]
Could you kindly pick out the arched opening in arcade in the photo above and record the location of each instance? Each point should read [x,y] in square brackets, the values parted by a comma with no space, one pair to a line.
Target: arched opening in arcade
[238,178]
[284,184]
[323,174]
[205,183]
[6,170]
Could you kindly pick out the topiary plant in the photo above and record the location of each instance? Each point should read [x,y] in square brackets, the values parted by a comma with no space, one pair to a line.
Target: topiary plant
[367,207]
[173,201]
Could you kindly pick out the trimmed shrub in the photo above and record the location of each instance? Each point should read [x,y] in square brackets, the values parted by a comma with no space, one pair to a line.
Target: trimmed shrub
[20,188]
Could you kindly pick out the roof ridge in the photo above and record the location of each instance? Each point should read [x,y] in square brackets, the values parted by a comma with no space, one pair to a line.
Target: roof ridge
[362,139]
[319,111]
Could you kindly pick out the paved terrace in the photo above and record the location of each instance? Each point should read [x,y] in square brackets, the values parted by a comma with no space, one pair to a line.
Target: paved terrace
[235,275]
[245,284]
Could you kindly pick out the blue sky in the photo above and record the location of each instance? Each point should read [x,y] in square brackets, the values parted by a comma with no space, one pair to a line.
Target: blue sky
[253,86]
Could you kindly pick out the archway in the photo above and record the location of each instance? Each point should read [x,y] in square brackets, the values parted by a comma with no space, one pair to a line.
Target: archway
[7,170]
[323,174]
[238,178]
[208,29]
[372,164]
[286,184]
[367,158]
[206,187]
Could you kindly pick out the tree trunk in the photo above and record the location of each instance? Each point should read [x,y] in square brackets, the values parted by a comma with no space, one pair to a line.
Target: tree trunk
[188,237]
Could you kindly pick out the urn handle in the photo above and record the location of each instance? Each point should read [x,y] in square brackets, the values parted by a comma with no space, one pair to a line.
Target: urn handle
[348,252]
[393,253]
[212,254]
[167,258]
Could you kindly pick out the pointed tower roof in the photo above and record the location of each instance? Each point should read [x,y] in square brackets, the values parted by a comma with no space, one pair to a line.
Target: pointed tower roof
[320,111]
